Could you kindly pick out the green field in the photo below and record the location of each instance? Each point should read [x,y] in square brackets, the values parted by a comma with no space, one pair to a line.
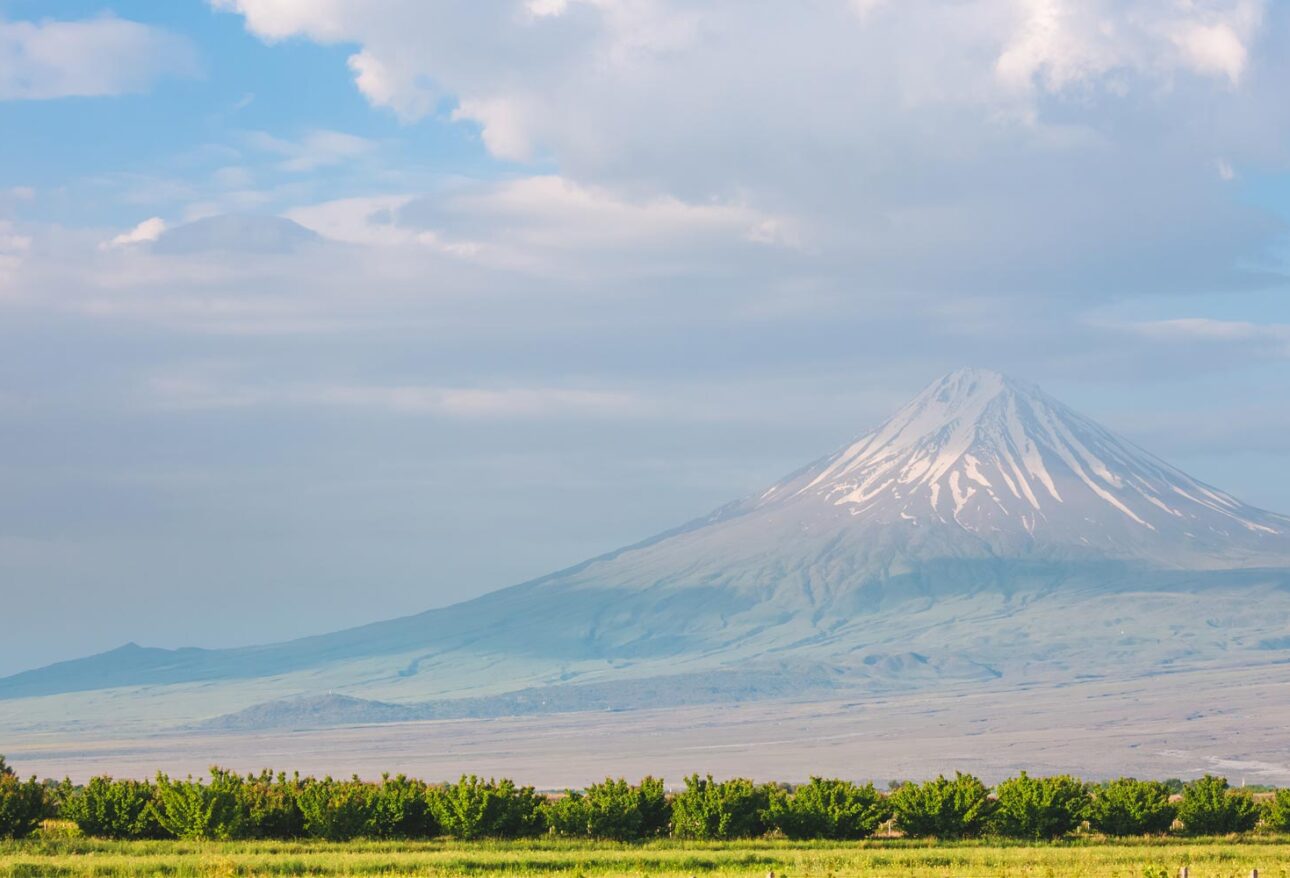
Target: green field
[887,858]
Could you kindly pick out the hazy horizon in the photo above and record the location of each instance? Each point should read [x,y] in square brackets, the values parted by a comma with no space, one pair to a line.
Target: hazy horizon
[314,315]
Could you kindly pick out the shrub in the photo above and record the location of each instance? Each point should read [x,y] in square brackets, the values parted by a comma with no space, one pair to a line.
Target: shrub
[1208,807]
[191,809]
[271,804]
[1276,811]
[613,809]
[942,808]
[1132,807]
[401,809]
[22,804]
[336,810]
[474,808]
[834,809]
[1040,807]
[729,809]
[108,808]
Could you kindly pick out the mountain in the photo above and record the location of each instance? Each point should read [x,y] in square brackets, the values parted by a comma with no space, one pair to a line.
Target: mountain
[235,233]
[984,533]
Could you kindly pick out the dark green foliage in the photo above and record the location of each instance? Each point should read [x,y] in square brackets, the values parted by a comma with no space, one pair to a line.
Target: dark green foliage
[519,813]
[336,810]
[23,804]
[401,809]
[834,809]
[474,808]
[943,808]
[57,795]
[1132,807]
[271,805]
[108,808]
[1208,807]
[729,809]
[1040,807]
[192,809]
[613,809]
[1276,811]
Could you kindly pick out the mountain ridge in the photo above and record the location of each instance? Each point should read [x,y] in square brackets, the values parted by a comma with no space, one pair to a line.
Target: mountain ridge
[969,528]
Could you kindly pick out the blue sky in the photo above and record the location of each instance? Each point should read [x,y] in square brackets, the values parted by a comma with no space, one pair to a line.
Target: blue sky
[318,313]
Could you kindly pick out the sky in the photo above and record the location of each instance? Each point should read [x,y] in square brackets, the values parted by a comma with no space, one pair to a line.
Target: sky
[317,312]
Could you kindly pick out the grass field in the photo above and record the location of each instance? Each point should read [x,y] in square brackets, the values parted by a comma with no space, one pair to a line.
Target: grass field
[1207,858]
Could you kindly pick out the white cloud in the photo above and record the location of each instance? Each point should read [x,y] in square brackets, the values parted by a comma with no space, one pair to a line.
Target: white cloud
[189,392]
[393,85]
[552,226]
[14,247]
[362,220]
[233,177]
[916,147]
[1209,329]
[11,198]
[1213,341]
[864,8]
[86,58]
[317,149]
[544,8]
[144,233]
[470,402]
[1058,44]
[501,126]
[11,241]
[1213,49]
[535,66]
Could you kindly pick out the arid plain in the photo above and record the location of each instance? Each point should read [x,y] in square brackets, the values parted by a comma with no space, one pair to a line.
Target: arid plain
[1230,721]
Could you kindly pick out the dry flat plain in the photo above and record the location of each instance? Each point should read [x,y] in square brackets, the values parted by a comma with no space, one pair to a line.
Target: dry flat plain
[1225,721]
[880,859]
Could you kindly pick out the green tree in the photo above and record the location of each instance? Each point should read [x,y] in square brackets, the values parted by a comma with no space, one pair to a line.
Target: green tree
[612,809]
[474,808]
[271,804]
[193,810]
[1209,807]
[729,809]
[108,808]
[1276,811]
[337,810]
[943,808]
[567,814]
[1132,807]
[833,809]
[401,809]
[1040,807]
[23,804]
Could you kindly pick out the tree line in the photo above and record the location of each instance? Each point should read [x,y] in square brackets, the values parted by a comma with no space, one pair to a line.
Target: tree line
[228,805]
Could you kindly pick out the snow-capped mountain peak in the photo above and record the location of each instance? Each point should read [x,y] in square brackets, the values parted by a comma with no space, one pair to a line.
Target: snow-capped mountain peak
[1001,460]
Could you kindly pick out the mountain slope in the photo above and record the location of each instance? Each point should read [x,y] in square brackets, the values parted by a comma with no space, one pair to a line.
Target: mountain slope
[971,530]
